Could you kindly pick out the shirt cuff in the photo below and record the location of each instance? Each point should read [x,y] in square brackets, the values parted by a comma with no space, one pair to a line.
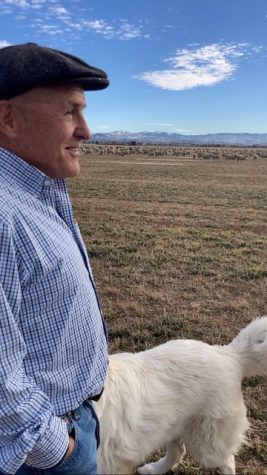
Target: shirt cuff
[51,447]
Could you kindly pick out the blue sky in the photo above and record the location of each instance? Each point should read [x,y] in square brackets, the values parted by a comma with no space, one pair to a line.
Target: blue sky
[186,66]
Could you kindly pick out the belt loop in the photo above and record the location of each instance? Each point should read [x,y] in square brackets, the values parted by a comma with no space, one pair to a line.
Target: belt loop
[72,414]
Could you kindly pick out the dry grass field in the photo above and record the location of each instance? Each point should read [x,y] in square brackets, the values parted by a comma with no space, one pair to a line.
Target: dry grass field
[178,250]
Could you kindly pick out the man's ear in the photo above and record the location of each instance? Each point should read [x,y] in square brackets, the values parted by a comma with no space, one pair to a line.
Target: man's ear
[7,120]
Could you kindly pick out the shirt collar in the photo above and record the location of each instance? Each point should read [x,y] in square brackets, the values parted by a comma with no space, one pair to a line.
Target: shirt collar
[16,172]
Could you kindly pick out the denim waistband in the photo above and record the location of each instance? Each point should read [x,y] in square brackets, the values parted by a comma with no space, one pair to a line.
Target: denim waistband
[74,412]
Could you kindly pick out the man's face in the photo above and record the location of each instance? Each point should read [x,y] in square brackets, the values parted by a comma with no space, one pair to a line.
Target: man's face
[50,126]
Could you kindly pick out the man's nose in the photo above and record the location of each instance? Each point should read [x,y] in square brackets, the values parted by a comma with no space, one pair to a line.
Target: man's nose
[83,129]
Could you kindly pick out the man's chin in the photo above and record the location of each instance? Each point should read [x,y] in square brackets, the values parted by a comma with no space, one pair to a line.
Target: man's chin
[74,171]
[72,167]
[67,172]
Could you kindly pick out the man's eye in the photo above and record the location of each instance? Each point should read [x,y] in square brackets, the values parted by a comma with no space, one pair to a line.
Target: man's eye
[69,115]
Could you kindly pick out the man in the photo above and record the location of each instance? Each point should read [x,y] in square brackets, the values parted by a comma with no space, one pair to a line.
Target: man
[52,335]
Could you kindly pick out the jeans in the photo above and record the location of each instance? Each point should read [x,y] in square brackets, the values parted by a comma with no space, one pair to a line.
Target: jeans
[83,423]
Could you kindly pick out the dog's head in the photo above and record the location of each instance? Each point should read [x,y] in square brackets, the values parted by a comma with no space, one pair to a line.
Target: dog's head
[252,342]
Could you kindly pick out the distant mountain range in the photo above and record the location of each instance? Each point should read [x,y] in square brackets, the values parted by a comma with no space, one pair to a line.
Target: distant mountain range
[120,136]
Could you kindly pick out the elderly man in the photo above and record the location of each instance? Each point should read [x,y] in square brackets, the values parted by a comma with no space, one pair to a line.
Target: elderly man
[53,341]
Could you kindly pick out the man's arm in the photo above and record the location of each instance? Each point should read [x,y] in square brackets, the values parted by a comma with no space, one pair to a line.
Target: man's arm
[29,431]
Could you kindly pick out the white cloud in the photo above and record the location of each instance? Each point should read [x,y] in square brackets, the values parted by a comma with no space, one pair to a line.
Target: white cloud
[183,130]
[37,6]
[59,11]
[161,124]
[257,49]
[73,19]
[126,31]
[17,3]
[6,11]
[122,31]
[198,66]
[51,29]
[4,43]
[99,26]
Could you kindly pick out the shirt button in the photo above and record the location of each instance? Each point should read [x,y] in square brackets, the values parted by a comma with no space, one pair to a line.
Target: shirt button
[47,183]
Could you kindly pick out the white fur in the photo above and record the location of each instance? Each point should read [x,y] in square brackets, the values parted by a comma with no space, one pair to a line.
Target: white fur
[181,393]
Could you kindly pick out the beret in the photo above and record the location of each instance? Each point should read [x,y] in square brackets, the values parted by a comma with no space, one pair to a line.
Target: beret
[25,66]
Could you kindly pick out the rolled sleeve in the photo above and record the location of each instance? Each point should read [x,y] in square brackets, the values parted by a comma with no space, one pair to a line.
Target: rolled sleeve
[29,431]
[51,447]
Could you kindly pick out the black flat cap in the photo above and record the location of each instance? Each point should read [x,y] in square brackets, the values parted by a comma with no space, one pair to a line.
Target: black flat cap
[25,66]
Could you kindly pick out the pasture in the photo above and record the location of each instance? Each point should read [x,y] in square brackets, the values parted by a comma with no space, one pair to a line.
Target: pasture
[178,250]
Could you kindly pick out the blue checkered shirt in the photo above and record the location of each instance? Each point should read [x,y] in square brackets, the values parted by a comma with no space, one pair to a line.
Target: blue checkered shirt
[53,342]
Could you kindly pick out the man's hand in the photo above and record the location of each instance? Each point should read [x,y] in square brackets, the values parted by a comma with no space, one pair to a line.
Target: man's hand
[70,448]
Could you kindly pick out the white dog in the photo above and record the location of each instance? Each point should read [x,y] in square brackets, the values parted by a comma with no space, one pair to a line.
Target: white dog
[181,393]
